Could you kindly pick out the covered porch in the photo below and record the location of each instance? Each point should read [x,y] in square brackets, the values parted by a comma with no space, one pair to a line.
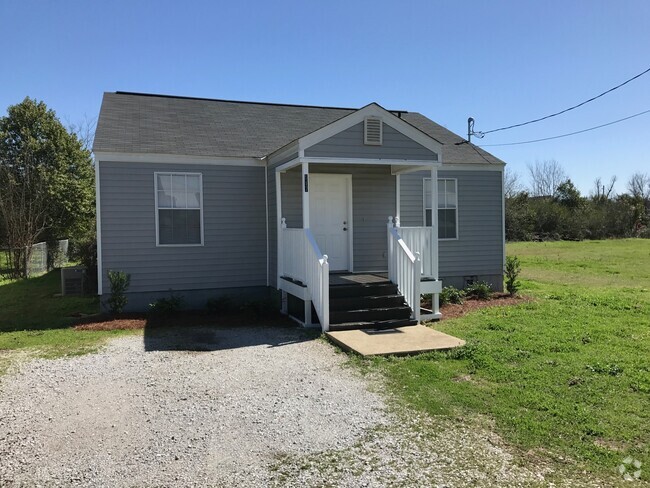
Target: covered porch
[340,218]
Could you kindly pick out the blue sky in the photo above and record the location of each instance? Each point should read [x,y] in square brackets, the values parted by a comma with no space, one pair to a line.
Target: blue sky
[501,62]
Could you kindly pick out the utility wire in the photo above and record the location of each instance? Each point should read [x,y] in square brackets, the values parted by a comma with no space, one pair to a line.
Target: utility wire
[569,134]
[482,133]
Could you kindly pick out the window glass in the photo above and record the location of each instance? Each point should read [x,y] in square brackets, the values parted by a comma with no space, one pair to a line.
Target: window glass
[447,207]
[179,208]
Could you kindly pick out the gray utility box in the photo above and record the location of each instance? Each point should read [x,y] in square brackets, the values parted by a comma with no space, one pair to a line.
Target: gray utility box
[73,280]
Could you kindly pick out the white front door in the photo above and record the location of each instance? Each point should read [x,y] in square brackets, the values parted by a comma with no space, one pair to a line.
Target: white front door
[329,215]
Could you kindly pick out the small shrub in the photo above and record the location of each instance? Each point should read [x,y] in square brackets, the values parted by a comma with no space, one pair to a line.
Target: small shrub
[221,305]
[480,290]
[451,294]
[167,306]
[513,268]
[119,283]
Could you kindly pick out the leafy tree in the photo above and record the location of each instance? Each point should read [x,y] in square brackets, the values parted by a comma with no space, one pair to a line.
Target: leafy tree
[46,180]
[568,195]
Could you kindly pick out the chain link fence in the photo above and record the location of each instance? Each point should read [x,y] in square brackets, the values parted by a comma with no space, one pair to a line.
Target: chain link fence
[41,259]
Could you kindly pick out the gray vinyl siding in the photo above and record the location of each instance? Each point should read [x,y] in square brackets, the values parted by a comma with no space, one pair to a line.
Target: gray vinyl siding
[373,200]
[478,251]
[349,144]
[234,250]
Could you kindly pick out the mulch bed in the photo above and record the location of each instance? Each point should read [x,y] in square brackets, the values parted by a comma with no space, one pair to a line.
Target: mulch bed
[104,322]
[452,310]
[183,319]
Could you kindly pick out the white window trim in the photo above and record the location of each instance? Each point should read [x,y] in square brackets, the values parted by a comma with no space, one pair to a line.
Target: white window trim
[156,209]
[425,207]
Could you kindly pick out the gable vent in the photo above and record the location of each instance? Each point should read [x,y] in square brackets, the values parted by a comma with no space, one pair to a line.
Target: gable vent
[372,131]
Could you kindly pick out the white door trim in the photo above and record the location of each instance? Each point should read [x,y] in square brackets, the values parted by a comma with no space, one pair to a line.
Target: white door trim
[350,231]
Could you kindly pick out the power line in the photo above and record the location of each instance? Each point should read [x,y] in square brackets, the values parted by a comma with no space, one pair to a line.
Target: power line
[482,133]
[570,133]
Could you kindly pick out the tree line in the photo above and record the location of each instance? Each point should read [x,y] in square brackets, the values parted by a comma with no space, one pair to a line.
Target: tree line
[46,184]
[550,207]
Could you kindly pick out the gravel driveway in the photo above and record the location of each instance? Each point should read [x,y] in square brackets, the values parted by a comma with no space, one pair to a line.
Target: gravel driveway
[225,407]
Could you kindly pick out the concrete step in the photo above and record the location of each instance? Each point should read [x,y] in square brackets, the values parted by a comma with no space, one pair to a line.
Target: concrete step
[373,325]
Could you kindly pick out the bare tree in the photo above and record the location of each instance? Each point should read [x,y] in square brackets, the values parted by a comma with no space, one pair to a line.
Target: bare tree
[25,212]
[639,186]
[511,183]
[545,177]
[602,192]
[85,130]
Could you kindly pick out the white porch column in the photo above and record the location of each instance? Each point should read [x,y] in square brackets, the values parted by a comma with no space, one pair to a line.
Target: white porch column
[278,218]
[435,298]
[305,225]
[434,221]
[305,195]
[398,197]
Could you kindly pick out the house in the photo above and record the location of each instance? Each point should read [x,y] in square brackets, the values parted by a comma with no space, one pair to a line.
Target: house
[330,207]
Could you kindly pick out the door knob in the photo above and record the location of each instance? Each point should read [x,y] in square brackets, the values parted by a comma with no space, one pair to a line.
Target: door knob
[345,228]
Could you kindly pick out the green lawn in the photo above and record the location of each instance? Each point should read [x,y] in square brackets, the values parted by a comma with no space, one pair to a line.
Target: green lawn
[35,321]
[566,377]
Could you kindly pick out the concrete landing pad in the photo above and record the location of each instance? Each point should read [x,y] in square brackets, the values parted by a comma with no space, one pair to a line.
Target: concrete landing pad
[401,340]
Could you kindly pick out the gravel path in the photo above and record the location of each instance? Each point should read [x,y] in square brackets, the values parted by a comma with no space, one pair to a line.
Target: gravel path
[224,407]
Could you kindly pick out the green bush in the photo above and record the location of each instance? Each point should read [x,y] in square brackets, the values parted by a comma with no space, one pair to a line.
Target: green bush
[221,305]
[119,282]
[480,290]
[513,268]
[451,294]
[167,306]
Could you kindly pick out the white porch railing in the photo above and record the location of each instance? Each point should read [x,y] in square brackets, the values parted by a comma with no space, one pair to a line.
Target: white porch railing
[418,239]
[303,261]
[293,253]
[404,269]
[317,279]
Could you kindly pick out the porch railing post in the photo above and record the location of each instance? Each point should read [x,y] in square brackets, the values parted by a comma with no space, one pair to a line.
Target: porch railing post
[417,272]
[391,272]
[325,326]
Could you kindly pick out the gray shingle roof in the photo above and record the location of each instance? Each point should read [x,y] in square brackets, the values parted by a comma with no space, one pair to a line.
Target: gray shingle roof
[139,123]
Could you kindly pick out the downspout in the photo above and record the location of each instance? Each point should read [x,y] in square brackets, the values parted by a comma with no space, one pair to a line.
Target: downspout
[266,199]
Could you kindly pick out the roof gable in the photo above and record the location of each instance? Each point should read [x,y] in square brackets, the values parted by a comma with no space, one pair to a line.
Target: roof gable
[357,117]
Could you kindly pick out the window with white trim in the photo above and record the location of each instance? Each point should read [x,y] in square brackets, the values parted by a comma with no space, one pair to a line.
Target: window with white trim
[447,207]
[179,209]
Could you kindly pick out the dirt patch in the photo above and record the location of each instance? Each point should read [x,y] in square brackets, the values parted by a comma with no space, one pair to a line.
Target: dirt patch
[453,310]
